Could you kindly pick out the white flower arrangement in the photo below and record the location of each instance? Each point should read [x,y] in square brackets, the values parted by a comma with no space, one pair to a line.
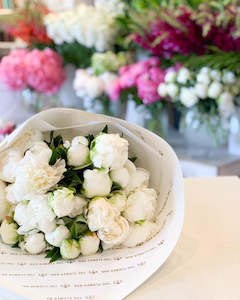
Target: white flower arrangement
[190,88]
[90,26]
[88,85]
[77,197]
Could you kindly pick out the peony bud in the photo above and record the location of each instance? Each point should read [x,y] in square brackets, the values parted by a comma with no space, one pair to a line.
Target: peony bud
[214,90]
[56,237]
[35,243]
[89,243]
[70,249]
[8,232]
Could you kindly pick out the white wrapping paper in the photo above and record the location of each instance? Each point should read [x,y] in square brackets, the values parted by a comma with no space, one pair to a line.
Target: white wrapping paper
[112,274]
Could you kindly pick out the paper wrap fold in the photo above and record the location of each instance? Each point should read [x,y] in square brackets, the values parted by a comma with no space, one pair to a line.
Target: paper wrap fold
[112,274]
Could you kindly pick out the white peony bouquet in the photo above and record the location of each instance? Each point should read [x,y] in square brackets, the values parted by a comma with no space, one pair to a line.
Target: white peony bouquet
[74,197]
[93,27]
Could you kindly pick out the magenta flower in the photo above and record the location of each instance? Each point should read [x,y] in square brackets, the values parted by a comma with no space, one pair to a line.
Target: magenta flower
[114,91]
[44,70]
[12,70]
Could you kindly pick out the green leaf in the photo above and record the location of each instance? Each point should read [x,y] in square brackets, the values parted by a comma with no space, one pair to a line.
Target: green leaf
[77,229]
[50,253]
[56,256]
[133,159]
[105,129]
[140,222]
[90,138]
[100,249]
[115,187]
[53,158]
[81,219]
[58,140]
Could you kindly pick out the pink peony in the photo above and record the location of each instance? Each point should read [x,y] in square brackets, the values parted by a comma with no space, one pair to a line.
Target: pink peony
[12,70]
[157,75]
[147,90]
[44,71]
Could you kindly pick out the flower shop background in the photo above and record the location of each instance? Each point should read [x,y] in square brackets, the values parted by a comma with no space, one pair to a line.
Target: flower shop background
[170,66]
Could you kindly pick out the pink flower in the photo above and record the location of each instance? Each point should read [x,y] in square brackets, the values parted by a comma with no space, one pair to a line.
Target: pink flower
[6,128]
[147,90]
[157,75]
[44,71]
[12,70]
[114,91]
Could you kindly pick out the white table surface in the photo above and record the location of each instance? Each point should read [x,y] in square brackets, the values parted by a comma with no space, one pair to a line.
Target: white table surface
[205,265]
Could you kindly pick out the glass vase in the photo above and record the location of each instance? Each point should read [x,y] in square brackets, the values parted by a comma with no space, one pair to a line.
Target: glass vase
[36,102]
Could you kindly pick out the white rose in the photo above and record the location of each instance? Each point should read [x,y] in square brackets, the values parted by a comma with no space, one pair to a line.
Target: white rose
[120,176]
[78,153]
[70,249]
[203,78]
[141,205]
[109,151]
[79,204]
[56,237]
[96,183]
[35,243]
[215,75]
[34,176]
[170,76]
[8,232]
[188,96]
[139,179]
[183,75]
[172,90]
[201,90]
[118,200]
[215,89]
[4,205]
[229,78]
[115,232]
[100,212]
[226,104]
[89,243]
[162,90]
[62,201]
[9,161]
[140,233]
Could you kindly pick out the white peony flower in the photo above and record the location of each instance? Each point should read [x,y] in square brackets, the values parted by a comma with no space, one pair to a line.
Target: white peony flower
[140,233]
[89,243]
[170,76]
[78,152]
[188,96]
[114,232]
[8,232]
[109,151]
[40,152]
[226,104]
[162,90]
[56,237]
[4,205]
[100,212]
[215,89]
[139,179]
[172,90]
[70,249]
[118,200]
[215,75]
[35,243]
[203,78]
[94,87]
[120,176]
[35,214]
[35,176]
[141,205]
[10,194]
[96,183]
[62,201]
[183,75]
[228,77]
[201,90]
[79,204]
[205,70]
[131,168]
[9,161]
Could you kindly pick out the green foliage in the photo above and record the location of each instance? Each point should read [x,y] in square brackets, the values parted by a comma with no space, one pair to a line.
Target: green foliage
[54,254]
[133,159]
[58,150]
[217,60]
